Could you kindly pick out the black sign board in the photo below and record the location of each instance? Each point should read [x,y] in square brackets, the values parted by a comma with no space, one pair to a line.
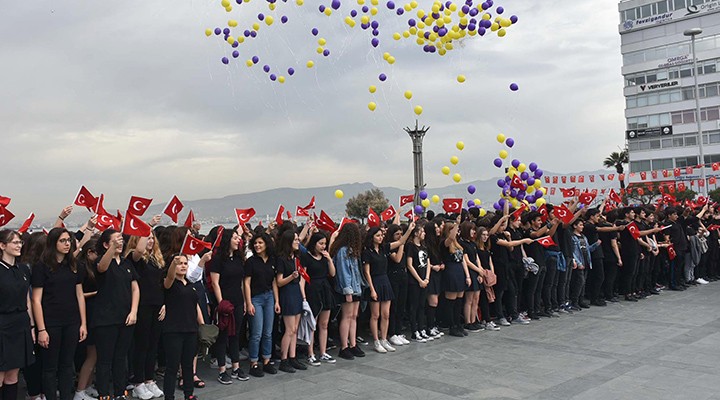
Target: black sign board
[645,132]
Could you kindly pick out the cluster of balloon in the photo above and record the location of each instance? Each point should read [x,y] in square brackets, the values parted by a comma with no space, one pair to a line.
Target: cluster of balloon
[454,160]
[521,185]
[434,30]
[425,201]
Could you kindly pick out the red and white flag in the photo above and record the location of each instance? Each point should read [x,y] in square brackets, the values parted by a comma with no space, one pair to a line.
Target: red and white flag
[563,213]
[373,218]
[192,245]
[542,210]
[301,212]
[26,225]
[614,196]
[567,192]
[452,205]
[517,183]
[134,226]
[671,252]
[410,214]
[344,221]
[5,216]
[407,199]
[518,213]
[713,227]
[324,222]
[310,206]
[219,234]
[301,270]
[138,205]
[388,214]
[100,205]
[244,215]
[173,208]
[190,220]
[279,214]
[107,221]
[633,229]
[4,201]
[546,241]
[587,198]
[288,214]
[85,199]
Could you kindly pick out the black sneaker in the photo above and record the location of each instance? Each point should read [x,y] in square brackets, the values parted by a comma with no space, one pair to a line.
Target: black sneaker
[297,364]
[357,352]
[224,378]
[455,331]
[286,367]
[256,371]
[472,327]
[346,354]
[239,374]
[270,368]
[191,397]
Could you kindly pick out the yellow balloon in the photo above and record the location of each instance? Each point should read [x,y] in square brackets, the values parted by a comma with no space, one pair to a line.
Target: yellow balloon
[537,184]
[208,32]
[281,79]
[502,32]
[249,63]
[339,194]
[530,189]
[544,190]
[322,41]
[522,167]
[391,60]
[408,94]
[457,178]
[269,20]
[460,145]
[372,106]
[454,160]
[514,203]
[540,202]
[425,203]
[225,3]
[436,198]
[503,154]
[310,64]
[445,170]
[372,88]
[500,138]
[418,110]
[483,212]
[477,202]
[461,78]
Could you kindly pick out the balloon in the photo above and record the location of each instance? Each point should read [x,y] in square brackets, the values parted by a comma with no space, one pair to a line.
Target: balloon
[382,77]
[461,78]
[514,87]
[497,162]
[500,138]
[471,189]
[425,203]
[477,202]
[524,176]
[454,160]
[372,88]
[408,94]
[339,194]
[418,110]
[470,203]
[515,163]
[423,195]
[436,199]
[530,199]
[533,167]
[538,173]
[513,193]
[445,170]
[457,178]
[310,64]
[530,181]
[509,142]
[530,189]
[419,209]
[540,202]
[460,145]
[522,167]
[497,206]
[372,106]
[503,154]
[502,202]
[538,194]
[537,184]
[483,212]
[501,183]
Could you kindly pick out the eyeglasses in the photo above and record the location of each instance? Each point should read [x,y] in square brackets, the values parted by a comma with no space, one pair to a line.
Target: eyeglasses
[64,241]
[17,242]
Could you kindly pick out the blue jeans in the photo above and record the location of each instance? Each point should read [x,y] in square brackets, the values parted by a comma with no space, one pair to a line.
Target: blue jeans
[261,326]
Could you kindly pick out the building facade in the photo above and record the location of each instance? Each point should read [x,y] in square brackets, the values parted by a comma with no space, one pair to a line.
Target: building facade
[661,133]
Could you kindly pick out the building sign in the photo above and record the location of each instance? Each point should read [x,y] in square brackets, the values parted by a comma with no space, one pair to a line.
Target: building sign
[655,86]
[677,60]
[642,133]
[669,16]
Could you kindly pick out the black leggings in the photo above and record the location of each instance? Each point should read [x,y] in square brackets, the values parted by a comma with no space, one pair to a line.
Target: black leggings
[225,344]
[550,286]
[611,271]
[529,287]
[33,375]
[57,361]
[484,306]
[399,284]
[147,337]
[416,303]
[180,350]
[627,272]
[112,343]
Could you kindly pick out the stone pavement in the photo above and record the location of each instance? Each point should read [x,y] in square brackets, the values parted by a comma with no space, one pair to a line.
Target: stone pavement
[665,347]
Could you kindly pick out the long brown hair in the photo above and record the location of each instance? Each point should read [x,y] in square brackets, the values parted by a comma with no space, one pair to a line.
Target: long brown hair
[154,256]
[49,255]
[445,235]
[349,237]
[485,246]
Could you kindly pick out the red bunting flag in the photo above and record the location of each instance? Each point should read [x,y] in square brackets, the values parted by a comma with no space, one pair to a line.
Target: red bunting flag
[701,183]
[563,213]
[572,179]
[192,245]
[279,214]
[633,229]
[388,214]
[681,187]
[26,225]
[641,191]
[654,174]
[676,171]
[592,178]
[552,191]
[555,179]
[301,212]
[643,175]
[452,205]
[602,177]
[546,241]
[611,177]
[244,215]
[173,208]
[689,170]
[4,201]
[373,219]
[134,226]
[712,180]
[587,198]
[85,199]
[5,216]
[581,179]
[665,173]
[715,166]
[190,219]
[138,205]
[547,179]
[563,179]
[324,222]
[407,199]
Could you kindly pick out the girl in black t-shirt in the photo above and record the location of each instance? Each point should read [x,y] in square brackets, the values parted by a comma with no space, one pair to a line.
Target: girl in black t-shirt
[419,279]
[86,261]
[180,327]
[434,288]
[472,293]
[292,295]
[59,309]
[456,277]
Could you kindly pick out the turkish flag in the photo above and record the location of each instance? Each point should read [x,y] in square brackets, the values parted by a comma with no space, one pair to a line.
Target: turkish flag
[712,180]
[324,222]
[676,171]
[713,227]
[517,213]
[681,187]
[26,225]
[563,213]
[310,205]
[552,191]
[671,252]
[701,183]
[134,226]
[587,198]
[689,170]
[546,241]
[219,234]
[563,179]
[614,196]
[641,191]
[100,205]
[669,199]
[555,179]
[701,201]
[244,215]
[517,183]
[190,219]
[301,270]
[107,221]
[288,214]
[406,199]
[373,219]
[654,174]
[715,166]
[568,192]
[5,216]
[602,177]
[192,245]
[409,214]
[173,208]
[388,214]
[592,178]
[581,179]
[633,229]
[542,210]
[621,177]
[452,205]
[344,221]
[665,173]
[611,177]
[671,188]
[138,205]
[4,201]
[301,212]
[572,179]
[547,179]
[85,199]
[279,214]
[643,175]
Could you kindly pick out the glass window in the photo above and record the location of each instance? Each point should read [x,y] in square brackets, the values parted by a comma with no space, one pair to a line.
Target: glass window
[639,80]
[711,90]
[642,121]
[646,10]
[690,140]
[664,98]
[683,162]
[633,146]
[661,6]
[674,73]
[710,68]
[713,114]
[665,119]
[678,142]
[662,75]
[678,4]
[688,116]
[662,163]
[676,118]
[654,144]
[642,101]
[631,102]
[653,99]
[688,93]
[644,145]
[696,2]
[714,138]
[638,166]
[684,73]
[629,14]
[667,143]
[676,95]
[651,78]
[654,120]
[712,158]
[632,123]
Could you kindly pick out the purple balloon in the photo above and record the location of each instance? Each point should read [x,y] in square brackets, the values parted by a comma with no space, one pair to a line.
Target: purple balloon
[375,42]
[500,10]
[273,77]
[514,87]
[423,195]
[497,206]
[284,19]
[326,52]
[508,179]
[291,71]
[261,16]
[497,162]
[382,77]
[514,19]
[266,68]
[255,59]
[391,5]
[530,199]
[515,163]
[335,4]
[513,192]
[532,166]
[538,194]
[538,173]
[315,31]
[524,175]
[510,142]
[471,203]
[235,54]
[419,209]
[225,60]
[471,189]
[501,183]
[502,202]
[521,195]
[530,181]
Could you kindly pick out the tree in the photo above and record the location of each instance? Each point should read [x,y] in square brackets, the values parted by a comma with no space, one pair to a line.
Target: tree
[357,207]
[616,160]
[715,195]
[686,194]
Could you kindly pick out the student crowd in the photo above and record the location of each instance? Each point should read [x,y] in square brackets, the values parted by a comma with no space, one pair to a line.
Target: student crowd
[129,309]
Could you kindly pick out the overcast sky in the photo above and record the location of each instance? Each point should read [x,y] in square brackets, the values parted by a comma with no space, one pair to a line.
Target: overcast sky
[130,98]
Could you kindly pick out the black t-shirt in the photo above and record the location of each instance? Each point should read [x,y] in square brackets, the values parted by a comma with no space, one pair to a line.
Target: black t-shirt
[14,286]
[316,269]
[180,308]
[378,260]
[536,251]
[448,257]
[261,274]
[59,299]
[470,249]
[484,258]
[500,254]
[516,252]
[606,238]
[396,267]
[114,297]
[629,246]
[591,233]
[419,257]
[232,272]
[677,236]
[286,267]
[150,279]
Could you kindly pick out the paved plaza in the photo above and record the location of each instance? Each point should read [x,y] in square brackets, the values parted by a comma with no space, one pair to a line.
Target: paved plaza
[665,347]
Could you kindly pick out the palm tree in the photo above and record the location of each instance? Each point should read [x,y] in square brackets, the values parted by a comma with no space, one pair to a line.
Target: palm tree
[616,160]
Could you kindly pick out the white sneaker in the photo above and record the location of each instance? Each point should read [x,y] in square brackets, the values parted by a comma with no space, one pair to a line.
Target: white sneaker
[504,322]
[490,326]
[434,332]
[327,358]
[403,339]
[83,395]
[387,345]
[427,337]
[90,390]
[379,347]
[154,389]
[395,340]
[417,337]
[701,281]
[141,392]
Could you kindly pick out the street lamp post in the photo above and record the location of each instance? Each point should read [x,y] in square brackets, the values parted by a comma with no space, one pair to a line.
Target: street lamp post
[417,135]
[692,33]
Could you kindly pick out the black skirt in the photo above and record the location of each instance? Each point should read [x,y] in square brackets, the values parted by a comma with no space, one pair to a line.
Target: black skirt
[454,277]
[291,301]
[16,344]
[474,284]
[435,286]
[320,295]
[382,286]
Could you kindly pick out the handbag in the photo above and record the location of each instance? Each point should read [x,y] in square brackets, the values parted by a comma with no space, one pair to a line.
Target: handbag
[530,265]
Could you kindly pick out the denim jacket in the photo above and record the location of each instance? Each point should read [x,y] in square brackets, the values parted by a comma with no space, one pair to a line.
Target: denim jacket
[577,242]
[348,273]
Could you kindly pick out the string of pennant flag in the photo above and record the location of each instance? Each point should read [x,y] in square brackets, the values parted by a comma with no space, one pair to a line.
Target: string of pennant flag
[643,175]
